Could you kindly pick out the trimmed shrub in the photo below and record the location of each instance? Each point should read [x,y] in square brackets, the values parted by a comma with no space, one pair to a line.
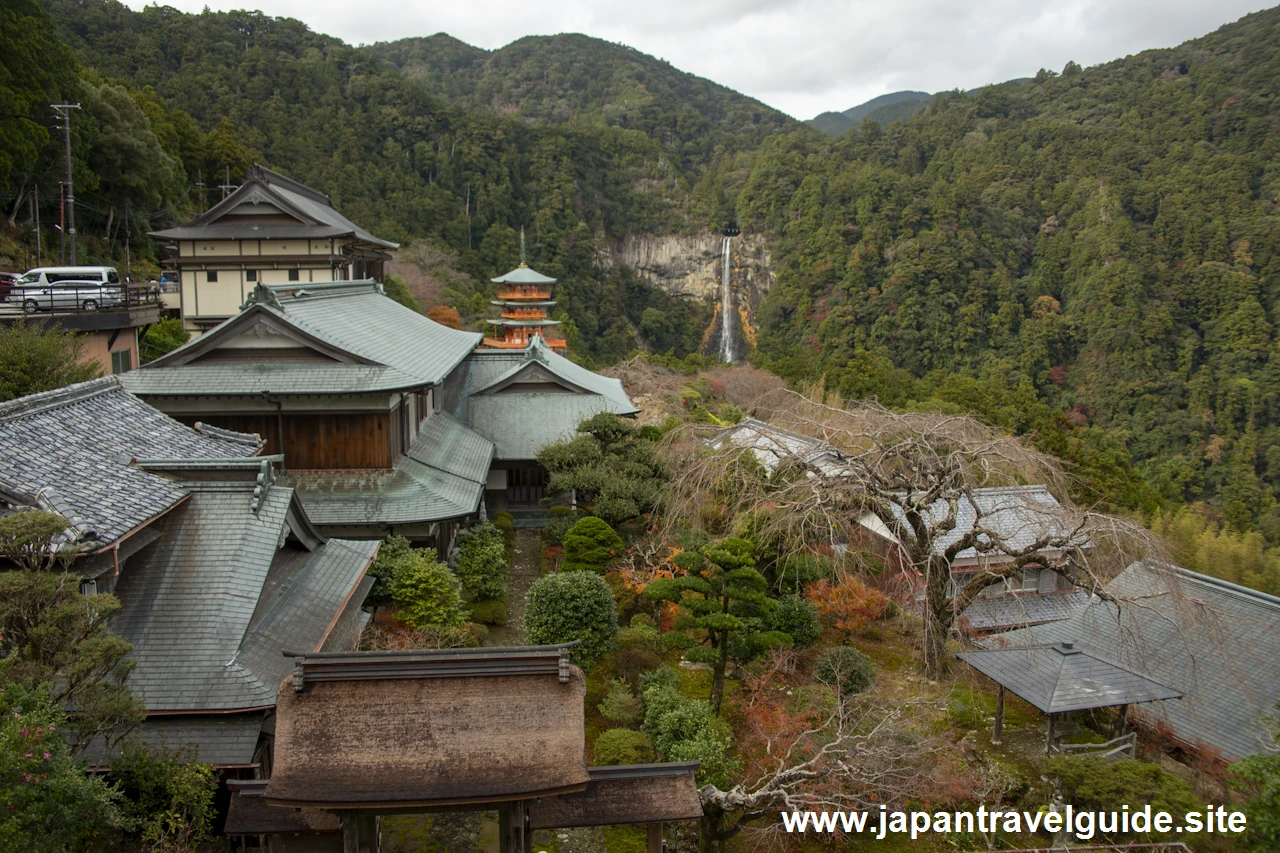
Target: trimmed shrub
[571,606]
[846,670]
[797,618]
[504,520]
[394,556]
[427,592]
[492,612]
[684,729]
[482,561]
[621,705]
[622,746]
[553,532]
[590,545]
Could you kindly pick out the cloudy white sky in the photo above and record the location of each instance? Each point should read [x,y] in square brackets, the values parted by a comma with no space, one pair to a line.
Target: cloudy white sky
[800,56]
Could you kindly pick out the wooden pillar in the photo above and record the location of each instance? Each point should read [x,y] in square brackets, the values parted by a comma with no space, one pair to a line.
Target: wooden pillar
[1122,719]
[999,725]
[361,833]
[1048,743]
[655,838]
[514,833]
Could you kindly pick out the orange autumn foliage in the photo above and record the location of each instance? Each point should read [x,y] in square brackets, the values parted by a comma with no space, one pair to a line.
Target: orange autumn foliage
[848,604]
[445,316]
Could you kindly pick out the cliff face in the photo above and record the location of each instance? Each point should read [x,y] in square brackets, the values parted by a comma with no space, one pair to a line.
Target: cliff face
[690,266]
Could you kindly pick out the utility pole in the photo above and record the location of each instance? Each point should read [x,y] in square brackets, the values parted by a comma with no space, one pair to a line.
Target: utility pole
[35,209]
[62,222]
[64,113]
[128,265]
[227,186]
[200,189]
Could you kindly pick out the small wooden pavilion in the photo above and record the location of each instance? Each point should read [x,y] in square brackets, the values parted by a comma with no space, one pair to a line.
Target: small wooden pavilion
[360,735]
[1058,678]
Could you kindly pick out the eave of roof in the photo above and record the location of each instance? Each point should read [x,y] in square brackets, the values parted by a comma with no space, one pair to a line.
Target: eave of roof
[523,275]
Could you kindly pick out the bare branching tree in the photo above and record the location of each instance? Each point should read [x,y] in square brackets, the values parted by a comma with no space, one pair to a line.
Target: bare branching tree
[916,487]
[854,754]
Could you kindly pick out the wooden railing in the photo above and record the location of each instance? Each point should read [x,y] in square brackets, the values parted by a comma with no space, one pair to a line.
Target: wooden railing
[1124,746]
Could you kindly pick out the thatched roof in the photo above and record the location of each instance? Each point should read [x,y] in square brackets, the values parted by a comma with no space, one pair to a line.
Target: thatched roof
[637,793]
[412,729]
[250,814]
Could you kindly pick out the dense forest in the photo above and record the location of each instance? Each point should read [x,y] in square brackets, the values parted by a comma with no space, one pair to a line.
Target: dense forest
[189,101]
[1100,244]
[1088,257]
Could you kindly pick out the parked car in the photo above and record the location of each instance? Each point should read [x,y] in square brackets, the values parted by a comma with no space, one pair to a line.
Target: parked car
[67,289]
[7,280]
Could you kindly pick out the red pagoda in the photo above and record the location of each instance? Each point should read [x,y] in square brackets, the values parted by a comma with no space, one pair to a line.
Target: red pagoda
[524,296]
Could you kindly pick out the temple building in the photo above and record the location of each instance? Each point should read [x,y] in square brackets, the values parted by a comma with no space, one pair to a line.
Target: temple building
[524,296]
[388,422]
[270,230]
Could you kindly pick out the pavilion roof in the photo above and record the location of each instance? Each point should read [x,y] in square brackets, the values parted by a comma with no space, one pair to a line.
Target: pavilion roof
[406,730]
[1060,677]
[1216,641]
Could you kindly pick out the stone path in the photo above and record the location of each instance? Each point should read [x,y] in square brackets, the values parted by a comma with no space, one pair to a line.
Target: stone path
[526,566]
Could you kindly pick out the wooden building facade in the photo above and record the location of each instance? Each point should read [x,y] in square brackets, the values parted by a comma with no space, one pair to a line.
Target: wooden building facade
[270,230]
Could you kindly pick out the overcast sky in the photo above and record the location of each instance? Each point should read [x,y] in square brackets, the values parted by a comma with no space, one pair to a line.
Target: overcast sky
[800,56]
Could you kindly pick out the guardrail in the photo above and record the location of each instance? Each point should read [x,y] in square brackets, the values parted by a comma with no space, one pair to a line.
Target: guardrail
[79,299]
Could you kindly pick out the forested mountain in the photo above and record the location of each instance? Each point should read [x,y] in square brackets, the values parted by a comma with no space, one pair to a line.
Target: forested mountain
[216,91]
[882,109]
[1089,257]
[1100,243]
[575,78]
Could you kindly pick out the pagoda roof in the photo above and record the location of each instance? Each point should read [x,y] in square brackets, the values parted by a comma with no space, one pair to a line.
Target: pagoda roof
[523,275]
[527,321]
[521,303]
[267,193]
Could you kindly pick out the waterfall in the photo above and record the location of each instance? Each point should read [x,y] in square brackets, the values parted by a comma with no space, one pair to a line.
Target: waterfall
[727,314]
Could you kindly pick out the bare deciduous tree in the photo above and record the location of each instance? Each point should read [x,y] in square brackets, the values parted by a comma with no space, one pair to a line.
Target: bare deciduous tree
[912,484]
[841,755]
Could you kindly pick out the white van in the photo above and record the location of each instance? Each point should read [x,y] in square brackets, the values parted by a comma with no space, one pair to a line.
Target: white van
[67,289]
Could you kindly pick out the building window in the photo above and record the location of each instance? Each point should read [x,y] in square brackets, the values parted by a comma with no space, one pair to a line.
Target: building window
[121,360]
[1031,578]
[293,275]
[250,275]
[211,275]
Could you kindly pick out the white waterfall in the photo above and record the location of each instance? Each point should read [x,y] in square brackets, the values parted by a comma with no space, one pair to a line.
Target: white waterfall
[727,313]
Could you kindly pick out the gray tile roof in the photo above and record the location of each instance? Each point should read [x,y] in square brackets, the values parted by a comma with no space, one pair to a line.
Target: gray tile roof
[192,603]
[70,451]
[389,346]
[1001,614]
[1217,642]
[440,477]
[521,424]
[1065,676]
[262,185]
[1018,514]
[224,740]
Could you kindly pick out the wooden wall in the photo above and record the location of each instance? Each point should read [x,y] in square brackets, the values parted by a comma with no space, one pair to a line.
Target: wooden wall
[320,440]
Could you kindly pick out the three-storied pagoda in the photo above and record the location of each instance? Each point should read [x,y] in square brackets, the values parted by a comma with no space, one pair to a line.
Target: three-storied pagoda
[524,297]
